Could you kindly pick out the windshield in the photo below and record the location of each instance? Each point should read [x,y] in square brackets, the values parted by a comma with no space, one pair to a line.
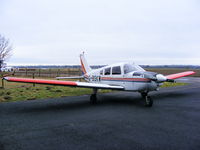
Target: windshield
[129,68]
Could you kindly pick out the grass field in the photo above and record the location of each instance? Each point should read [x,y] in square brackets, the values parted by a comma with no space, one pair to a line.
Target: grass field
[26,92]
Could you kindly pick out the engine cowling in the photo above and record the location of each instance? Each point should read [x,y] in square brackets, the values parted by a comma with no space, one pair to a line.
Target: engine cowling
[161,78]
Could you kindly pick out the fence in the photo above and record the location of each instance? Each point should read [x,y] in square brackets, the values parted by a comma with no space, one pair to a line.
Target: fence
[27,72]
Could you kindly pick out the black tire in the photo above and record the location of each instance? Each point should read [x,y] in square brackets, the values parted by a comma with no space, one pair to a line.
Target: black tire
[148,101]
[93,99]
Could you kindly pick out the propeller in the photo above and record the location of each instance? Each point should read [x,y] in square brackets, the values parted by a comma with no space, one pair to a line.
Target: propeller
[157,77]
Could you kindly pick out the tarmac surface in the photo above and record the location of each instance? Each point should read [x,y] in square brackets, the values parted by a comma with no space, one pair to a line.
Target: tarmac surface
[119,121]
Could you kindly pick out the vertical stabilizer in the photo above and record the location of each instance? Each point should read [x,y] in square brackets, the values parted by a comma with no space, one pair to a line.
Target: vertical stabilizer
[84,65]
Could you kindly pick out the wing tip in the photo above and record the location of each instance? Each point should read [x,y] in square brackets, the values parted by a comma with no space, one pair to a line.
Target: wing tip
[179,75]
[190,72]
[5,78]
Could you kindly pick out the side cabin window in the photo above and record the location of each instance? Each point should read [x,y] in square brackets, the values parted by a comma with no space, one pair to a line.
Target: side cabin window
[101,72]
[116,70]
[107,71]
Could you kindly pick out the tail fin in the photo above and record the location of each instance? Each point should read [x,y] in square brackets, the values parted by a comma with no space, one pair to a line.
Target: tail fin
[84,65]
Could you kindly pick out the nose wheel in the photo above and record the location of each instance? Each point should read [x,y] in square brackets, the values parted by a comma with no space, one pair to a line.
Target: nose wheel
[148,101]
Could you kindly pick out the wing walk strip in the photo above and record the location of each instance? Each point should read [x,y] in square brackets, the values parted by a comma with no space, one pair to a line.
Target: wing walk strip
[64,83]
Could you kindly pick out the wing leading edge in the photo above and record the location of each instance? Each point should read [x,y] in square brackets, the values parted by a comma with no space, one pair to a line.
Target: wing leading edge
[64,83]
[179,75]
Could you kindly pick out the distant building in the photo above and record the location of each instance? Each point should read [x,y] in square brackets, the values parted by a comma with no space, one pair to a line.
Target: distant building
[6,68]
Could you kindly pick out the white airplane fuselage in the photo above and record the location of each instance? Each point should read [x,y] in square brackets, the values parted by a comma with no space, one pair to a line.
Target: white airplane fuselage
[132,79]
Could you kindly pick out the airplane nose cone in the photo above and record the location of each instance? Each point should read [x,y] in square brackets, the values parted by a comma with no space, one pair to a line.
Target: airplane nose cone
[161,78]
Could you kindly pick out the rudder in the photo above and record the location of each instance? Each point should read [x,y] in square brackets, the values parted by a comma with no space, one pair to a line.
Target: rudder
[84,65]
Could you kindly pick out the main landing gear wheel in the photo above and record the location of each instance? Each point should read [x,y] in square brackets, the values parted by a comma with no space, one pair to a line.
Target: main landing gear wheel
[148,102]
[93,99]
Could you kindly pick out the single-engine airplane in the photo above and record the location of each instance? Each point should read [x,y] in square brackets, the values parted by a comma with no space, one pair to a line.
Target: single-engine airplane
[120,76]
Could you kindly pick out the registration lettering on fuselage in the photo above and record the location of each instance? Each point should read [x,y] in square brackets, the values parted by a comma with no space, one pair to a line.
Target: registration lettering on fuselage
[94,78]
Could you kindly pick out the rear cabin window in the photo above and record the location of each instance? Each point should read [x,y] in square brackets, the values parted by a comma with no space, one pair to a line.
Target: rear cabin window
[101,72]
[116,70]
[107,71]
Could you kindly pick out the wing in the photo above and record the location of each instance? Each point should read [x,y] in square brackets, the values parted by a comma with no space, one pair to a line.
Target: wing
[65,83]
[179,75]
[75,77]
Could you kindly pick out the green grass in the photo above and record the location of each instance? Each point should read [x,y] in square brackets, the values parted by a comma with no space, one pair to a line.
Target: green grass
[168,84]
[28,92]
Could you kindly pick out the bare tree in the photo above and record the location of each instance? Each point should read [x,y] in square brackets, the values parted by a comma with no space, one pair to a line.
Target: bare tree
[5,49]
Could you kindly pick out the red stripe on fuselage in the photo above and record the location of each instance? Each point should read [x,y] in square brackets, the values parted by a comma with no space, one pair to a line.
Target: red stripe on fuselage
[126,79]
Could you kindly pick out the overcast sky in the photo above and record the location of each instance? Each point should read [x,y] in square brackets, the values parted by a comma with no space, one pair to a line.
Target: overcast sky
[109,31]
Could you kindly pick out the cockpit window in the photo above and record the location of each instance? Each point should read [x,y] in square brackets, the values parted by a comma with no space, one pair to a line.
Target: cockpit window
[129,68]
